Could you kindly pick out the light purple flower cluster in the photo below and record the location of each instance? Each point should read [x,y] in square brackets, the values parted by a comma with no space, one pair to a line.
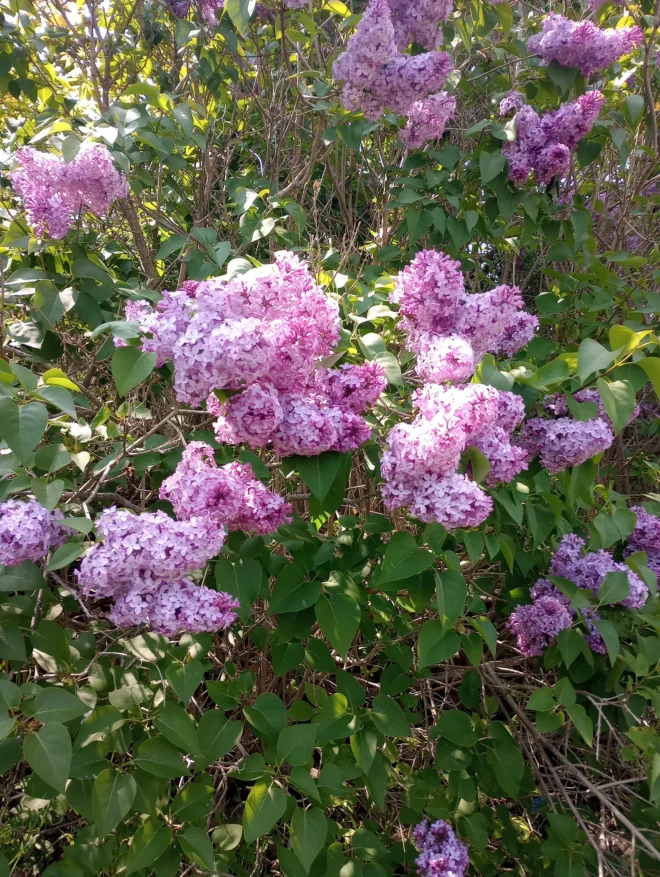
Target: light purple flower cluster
[230,495]
[544,145]
[143,565]
[581,44]
[263,335]
[377,76]
[418,22]
[646,537]
[450,329]
[323,416]
[28,531]
[536,625]
[565,442]
[210,10]
[178,8]
[511,103]
[55,192]
[441,852]
[427,119]
[420,463]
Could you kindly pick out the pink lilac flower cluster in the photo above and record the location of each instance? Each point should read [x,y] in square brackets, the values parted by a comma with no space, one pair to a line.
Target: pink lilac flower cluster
[55,192]
[419,466]
[536,625]
[565,442]
[544,145]
[450,329]
[441,852]
[261,338]
[646,537]
[143,564]
[377,76]
[581,44]
[427,119]
[418,22]
[28,531]
[230,495]
[324,416]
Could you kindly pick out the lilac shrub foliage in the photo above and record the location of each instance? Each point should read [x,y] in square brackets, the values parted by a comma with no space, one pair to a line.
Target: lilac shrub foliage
[450,330]
[55,192]
[537,625]
[441,852]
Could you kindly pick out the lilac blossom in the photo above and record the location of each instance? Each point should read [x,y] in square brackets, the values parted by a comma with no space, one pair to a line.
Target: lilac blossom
[418,22]
[537,624]
[28,531]
[559,406]
[229,495]
[646,537]
[175,607]
[441,852]
[427,119]
[581,44]
[55,192]
[511,102]
[565,442]
[543,146]
[377,76]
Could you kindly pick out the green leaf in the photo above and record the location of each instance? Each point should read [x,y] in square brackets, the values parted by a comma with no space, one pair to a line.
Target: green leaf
[308,832]
[58,705]
[479,463]
[178,727]
[615,588]
[22,427]
[64,555]
[491,165]
[364,746]
[651,365]
[112,796]
[293,592]
[435,645]
[451,593]
[485,627]
[582,722]
[508,766]
[403,558]
[149,843]
[618,398]
[318,472]
[456,726]
[296,744]
[388,717]
[635,106]
[570,645]
[197,846]
[593,357]
[339,618]
[267,715]
[130,366]
[240,12]
[264,807]
[542,700]
[161,759]
[193,802]
[242,579]
[611,638]
[10,695]
[26,577]
[185,679]
[12,644]
[49,754]
[217,735]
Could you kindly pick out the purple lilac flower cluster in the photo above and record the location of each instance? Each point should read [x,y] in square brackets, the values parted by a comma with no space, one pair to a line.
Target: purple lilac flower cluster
[263,334]
[377,76]
[420,463]
[564,441]
[581,44]
[55,192]
[544,145]
[646,537]
[418,22]
[230,495]
[441,852]
[450,329]
[536,625]
[28,531]
[427,119]
[143,564]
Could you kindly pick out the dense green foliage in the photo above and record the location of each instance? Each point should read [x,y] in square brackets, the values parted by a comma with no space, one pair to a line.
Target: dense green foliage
[371,679]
